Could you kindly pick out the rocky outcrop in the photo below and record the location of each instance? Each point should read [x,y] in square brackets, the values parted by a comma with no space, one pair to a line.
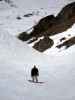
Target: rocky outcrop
[40,28]
[62,39]
[43,44]
[67,43]
[24,36]
[51,25]
[43,25]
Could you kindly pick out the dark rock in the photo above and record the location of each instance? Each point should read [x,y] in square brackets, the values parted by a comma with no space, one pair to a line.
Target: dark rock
[64,38]
[51,25]
[42,26]
[43,44]
[28,15]
[19,18]
[67,43]
[24,36]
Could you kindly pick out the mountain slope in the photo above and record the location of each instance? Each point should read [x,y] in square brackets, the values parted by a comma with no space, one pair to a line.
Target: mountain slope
[56,68]
[16,62]
[12,48]
[50,26]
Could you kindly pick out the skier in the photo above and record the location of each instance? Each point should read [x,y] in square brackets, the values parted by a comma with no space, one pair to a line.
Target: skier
[34,74]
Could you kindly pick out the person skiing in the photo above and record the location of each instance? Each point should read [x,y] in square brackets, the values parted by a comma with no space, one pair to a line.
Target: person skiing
[34,74]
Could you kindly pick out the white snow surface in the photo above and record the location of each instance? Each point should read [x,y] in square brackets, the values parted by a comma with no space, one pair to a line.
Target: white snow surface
[56,67]
[56,71]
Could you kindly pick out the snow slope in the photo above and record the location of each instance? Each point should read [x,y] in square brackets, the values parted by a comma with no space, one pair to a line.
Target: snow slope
[57,69]
[9,14]
[16,59]
[13,49]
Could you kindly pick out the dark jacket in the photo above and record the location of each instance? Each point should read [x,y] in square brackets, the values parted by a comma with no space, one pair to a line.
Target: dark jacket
[34,72]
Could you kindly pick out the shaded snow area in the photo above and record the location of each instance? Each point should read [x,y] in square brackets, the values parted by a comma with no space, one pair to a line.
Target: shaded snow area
[56,67]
